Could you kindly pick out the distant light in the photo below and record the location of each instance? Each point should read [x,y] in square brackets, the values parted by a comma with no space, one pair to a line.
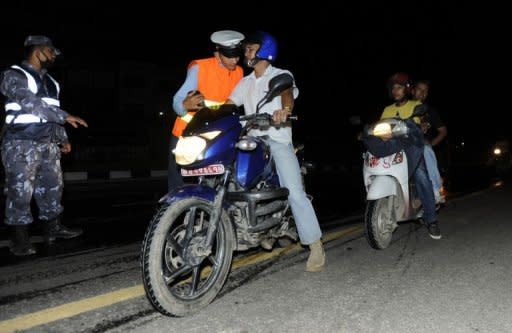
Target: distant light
[160,113]
[462,143]
[497,151]
[498,183]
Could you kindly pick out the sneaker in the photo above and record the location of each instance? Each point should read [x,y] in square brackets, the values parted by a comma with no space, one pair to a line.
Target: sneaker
[440,196]
[433,230]
[442,199]
[437,196]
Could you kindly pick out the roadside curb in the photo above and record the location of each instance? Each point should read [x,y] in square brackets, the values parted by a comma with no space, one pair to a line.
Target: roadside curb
[113,174]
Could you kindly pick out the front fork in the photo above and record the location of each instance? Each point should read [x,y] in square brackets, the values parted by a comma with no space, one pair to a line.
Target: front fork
[206,248]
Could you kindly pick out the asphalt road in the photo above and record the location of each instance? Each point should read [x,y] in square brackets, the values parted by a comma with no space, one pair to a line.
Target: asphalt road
[457,284]
[92,284]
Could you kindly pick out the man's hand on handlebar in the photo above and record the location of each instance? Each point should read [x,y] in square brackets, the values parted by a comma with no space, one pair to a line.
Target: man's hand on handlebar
[281,116]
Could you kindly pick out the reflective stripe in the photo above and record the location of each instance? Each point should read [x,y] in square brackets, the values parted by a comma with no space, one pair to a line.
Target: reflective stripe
[187,118]
[24,119]
[32,85]
[208,103]
[12,107]
[51,101]
[55,82]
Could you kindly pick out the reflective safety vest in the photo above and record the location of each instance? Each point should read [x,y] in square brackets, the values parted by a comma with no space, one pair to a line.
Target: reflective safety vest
[13,109]
[23,124]
[215,82]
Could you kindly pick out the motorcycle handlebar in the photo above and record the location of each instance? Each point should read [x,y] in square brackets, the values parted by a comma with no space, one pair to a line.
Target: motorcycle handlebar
[263,117]
[263,121]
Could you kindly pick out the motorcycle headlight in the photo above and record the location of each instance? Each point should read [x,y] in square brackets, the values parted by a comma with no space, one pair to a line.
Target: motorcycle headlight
[497,151]
[189,149]
[382,129]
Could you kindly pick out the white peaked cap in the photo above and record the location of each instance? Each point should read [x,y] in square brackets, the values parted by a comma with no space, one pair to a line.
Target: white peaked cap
[227,38]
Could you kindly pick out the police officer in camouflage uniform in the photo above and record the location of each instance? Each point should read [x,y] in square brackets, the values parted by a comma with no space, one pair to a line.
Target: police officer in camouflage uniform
[33,139]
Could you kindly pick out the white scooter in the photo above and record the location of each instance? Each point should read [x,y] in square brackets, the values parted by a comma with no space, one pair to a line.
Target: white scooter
[391,198]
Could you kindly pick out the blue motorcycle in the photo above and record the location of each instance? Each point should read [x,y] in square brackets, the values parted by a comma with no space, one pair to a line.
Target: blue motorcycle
[236,205]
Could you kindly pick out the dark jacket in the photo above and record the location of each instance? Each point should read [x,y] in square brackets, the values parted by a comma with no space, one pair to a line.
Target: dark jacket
[413,145]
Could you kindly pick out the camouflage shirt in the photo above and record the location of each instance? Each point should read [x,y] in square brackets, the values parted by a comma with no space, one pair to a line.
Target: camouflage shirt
[13,85]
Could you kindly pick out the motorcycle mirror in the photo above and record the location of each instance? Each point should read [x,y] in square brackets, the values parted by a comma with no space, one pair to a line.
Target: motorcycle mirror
[276,86]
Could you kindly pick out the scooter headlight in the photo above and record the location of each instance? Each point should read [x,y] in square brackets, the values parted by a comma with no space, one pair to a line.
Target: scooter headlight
[382,129]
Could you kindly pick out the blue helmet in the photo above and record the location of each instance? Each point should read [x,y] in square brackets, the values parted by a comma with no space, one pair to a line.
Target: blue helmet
[268,45]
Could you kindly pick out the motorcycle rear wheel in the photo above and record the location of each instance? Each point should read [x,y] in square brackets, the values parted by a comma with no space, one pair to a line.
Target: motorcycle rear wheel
[380,222]
[177,281]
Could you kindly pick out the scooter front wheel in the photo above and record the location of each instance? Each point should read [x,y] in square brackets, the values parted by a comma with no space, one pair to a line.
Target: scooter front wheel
[380,222]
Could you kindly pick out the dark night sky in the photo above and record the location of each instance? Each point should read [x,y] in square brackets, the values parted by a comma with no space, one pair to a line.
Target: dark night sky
[341,54]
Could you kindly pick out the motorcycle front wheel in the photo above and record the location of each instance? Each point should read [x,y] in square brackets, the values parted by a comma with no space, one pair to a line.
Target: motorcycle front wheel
[380,222]
[179,278]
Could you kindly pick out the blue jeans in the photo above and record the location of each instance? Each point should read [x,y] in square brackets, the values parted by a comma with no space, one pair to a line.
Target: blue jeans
[425,192]
[433,171]
[288,170]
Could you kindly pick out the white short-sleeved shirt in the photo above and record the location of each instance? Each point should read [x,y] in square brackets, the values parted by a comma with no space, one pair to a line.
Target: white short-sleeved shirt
[250,90]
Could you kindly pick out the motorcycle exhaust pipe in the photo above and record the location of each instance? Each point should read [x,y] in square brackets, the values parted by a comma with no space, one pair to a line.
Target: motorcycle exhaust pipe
[270,208]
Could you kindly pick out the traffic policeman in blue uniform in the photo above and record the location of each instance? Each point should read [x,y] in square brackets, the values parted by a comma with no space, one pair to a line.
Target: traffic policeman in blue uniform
[33,139]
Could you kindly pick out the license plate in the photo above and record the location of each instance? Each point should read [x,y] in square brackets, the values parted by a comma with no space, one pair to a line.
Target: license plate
[372,161]
[214,169]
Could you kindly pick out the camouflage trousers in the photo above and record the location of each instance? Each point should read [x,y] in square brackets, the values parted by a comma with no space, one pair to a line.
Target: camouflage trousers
[31,169]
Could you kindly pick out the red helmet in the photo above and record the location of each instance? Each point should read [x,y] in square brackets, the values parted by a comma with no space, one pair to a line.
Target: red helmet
[402,79]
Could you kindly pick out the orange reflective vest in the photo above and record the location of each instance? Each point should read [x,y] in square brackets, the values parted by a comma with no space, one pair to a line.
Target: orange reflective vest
[215,82]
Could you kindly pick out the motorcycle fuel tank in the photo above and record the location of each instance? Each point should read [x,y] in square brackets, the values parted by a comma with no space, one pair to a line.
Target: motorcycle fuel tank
[253,166]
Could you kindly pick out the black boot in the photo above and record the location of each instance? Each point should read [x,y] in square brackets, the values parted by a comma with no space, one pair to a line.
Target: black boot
[54,230]
[20,241]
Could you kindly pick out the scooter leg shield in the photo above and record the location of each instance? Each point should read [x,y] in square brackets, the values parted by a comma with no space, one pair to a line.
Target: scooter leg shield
[381,187]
